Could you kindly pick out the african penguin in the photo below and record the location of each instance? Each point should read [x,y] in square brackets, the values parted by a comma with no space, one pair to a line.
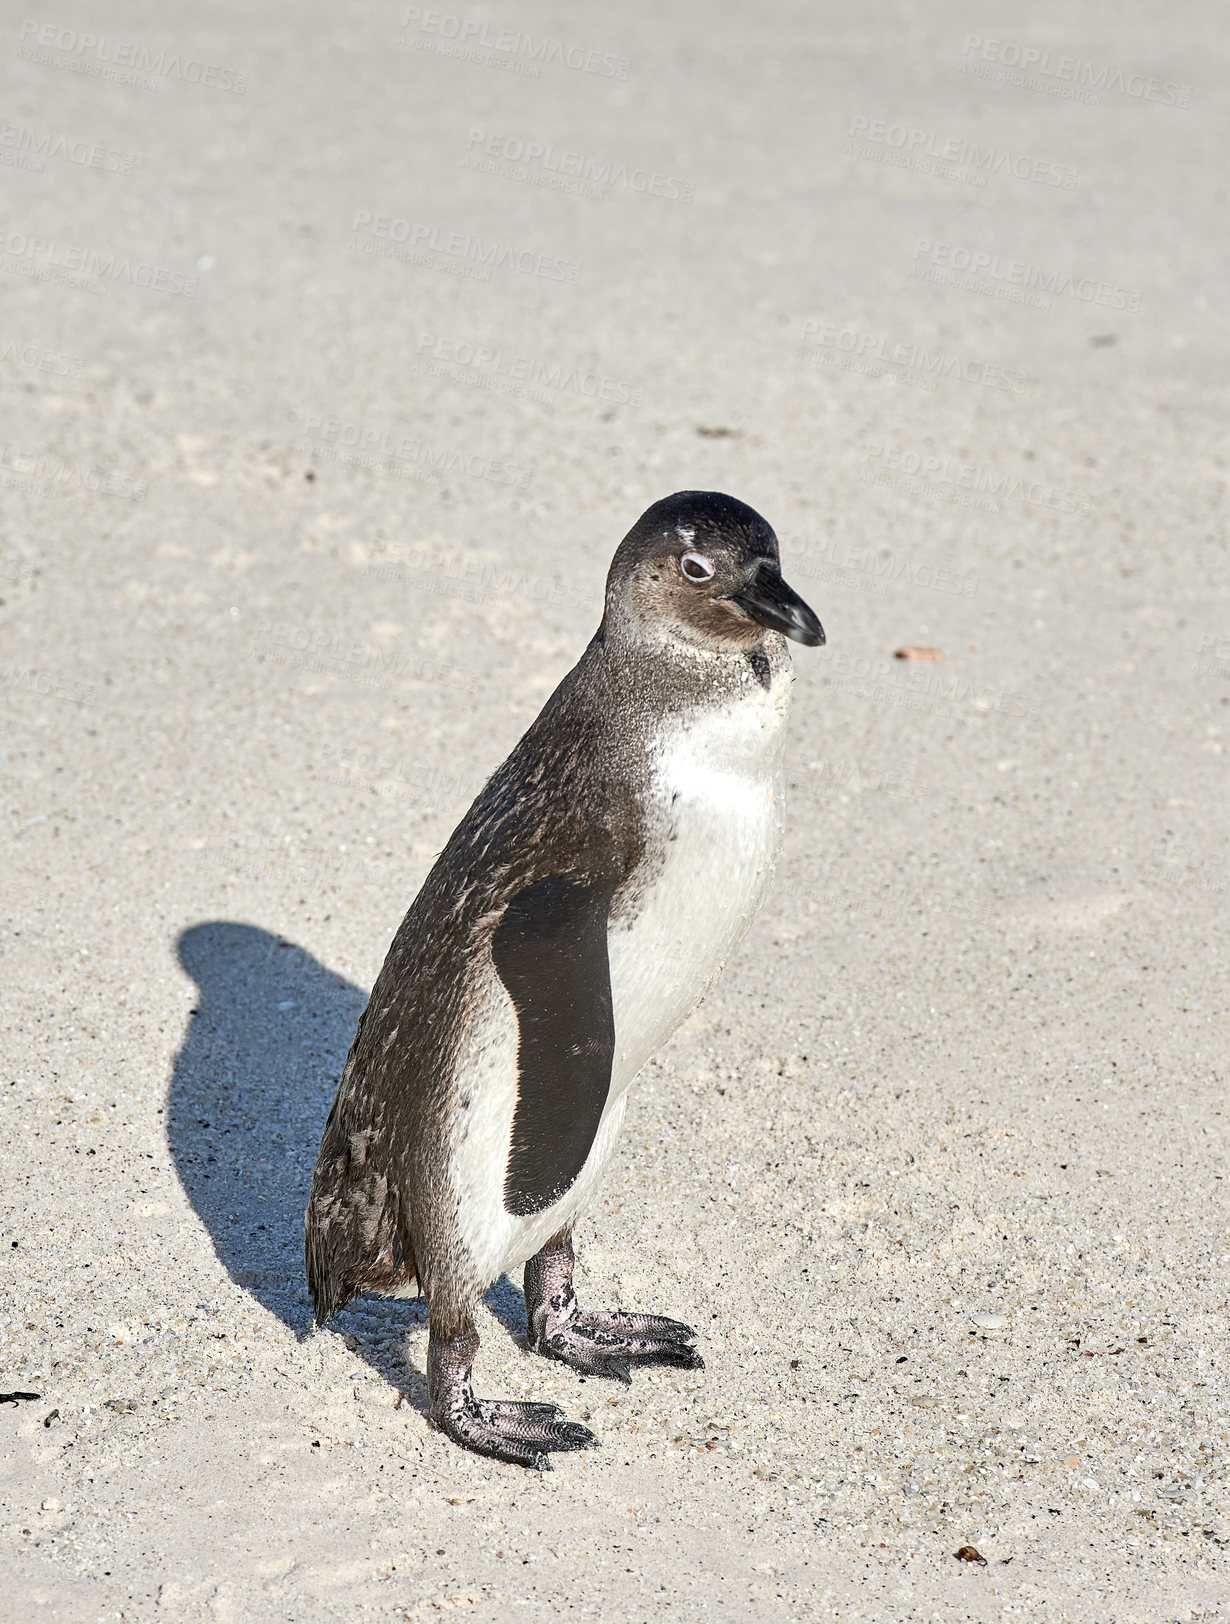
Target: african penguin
[578,913]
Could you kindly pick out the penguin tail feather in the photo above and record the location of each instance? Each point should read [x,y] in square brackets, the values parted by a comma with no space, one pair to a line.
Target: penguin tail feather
[354,1242]
[335,1276]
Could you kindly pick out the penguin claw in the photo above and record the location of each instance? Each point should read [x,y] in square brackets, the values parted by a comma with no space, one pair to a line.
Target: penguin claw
[616,1369]
[675,1353]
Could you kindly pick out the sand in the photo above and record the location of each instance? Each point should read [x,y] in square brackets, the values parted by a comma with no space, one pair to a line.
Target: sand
[340,347]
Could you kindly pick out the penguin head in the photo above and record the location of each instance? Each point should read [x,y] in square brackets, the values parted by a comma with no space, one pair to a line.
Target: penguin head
[705,568]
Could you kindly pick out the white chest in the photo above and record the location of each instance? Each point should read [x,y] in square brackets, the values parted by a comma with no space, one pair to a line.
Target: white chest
[715,812]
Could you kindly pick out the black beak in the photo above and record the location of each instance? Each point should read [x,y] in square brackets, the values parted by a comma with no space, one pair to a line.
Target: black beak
[768,601]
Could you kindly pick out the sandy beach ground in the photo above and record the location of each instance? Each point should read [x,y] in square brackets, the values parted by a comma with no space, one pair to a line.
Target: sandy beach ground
[340,346]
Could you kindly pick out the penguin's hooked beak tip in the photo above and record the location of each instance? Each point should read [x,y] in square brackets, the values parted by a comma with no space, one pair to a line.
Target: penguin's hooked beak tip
[806,628]
[768,601]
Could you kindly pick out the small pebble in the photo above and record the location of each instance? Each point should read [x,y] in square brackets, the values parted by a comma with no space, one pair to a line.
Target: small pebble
[967,1553]
[917,651]
[990,1322]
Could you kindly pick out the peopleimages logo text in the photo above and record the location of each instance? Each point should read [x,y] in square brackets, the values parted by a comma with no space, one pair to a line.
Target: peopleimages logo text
[92,49]
[1070,70]
[45,253]
[42,144]
[471,31]
[538,158]
[999,487]
[502,364]
[957,149]
[62,363]
[865,348]
[1020,273]
[461,245]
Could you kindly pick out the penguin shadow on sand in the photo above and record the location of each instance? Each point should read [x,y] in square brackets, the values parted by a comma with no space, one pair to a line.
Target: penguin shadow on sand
[251,1088]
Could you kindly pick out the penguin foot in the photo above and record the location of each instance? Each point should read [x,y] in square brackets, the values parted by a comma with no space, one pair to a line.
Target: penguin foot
[609,1344]
[505,1429]
[596,1343]
[521,1434]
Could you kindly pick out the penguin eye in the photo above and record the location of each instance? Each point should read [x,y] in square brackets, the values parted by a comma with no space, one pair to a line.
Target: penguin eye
[696,567]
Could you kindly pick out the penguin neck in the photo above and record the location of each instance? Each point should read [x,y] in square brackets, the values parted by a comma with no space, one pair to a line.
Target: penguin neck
[643,659]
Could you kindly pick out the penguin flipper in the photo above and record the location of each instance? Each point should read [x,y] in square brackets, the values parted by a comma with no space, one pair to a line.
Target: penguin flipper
[550,952]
